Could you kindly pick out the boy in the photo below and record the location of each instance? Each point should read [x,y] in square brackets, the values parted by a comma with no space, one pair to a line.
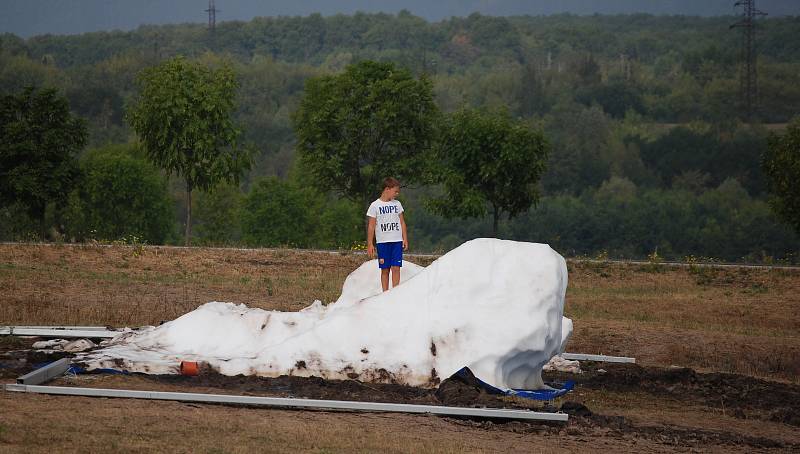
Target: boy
[386,214]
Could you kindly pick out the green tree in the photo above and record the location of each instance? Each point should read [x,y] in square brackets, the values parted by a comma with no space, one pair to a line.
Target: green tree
[340,224]
[532,94]
[580,138]
[372,121]
[679,150]
[183,117]
[488,160]
[122,194]
[277,213]
[616,97]
[588,71]
[781,163]
[217,217]
[39,142]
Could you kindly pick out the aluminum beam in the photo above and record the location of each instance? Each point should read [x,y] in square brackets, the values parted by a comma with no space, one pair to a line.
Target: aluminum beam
[58,332]
[43,374]
[292,403]
[600,358]
[87,328]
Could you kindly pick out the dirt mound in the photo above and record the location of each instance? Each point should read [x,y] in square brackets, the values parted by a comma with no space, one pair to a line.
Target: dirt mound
[307,387]
[742,396]
[454,391]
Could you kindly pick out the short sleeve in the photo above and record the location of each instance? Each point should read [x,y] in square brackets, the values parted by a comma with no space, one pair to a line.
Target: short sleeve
[372,211]
[399,207]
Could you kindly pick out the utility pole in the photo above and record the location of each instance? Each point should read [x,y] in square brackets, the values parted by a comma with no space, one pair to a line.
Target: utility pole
[748,77]
[212,16]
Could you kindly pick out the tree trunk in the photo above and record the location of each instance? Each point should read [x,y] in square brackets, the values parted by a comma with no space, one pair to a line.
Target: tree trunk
[40,211]
[188,213]
[496,218]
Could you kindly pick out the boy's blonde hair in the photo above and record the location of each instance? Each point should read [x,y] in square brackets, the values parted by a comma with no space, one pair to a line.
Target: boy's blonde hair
[390,182]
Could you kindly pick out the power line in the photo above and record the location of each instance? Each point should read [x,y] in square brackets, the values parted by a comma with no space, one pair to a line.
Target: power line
[212,15]
[748,77]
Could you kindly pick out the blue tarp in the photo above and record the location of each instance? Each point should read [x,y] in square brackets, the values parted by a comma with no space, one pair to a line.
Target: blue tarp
[535,394]
[73,369]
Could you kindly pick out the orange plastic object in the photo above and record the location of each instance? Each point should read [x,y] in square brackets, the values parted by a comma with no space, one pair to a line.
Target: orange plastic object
[189,368]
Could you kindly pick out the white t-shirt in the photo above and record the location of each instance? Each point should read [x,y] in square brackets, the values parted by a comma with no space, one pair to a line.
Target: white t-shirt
[387,220]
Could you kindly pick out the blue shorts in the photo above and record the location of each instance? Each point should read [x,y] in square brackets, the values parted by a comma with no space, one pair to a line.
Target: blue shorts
[390,254]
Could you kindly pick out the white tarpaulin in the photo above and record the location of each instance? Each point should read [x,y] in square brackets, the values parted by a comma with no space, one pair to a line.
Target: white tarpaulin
[494,306]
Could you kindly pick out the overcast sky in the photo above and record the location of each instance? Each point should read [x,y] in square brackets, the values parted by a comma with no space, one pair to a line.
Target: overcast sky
[32,17]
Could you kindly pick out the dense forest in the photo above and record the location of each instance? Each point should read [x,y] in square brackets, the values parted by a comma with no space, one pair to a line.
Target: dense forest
[650,153]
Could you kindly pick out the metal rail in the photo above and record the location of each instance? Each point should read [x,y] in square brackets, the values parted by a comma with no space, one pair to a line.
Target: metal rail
[61,332]
[600,358]
[43,374]
[88,328]
[291,402]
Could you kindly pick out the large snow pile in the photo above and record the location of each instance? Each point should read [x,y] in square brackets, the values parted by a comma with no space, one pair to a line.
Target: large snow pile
[494,306]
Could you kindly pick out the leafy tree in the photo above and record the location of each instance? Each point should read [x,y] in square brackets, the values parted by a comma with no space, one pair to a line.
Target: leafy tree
[356,128]
[781,163]
[679,150]
[532,95]
[285,213]
[588,71]
[39,141]
[183,117]
[340,224]
[488,160]
[277,213]
[581,138]
[217,216]
[121,194]
[616,97]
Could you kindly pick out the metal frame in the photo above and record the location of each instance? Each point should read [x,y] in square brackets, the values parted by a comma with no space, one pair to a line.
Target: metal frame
[45,373]
[291,403]
[599,358]
[61,332]
[86,328]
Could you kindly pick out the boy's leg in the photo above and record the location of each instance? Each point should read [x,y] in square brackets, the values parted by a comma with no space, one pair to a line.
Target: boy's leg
[383,263]
[385,278]
[396,262]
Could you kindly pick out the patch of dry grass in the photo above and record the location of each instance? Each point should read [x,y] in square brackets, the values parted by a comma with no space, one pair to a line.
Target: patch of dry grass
[30,425]
[42,284]
[723,319]
[40,423]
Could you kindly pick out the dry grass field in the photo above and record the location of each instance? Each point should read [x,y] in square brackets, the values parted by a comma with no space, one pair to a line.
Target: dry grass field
[711,319]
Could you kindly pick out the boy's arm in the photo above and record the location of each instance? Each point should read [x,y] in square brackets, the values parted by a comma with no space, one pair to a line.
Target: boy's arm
[405,233]
[370,236]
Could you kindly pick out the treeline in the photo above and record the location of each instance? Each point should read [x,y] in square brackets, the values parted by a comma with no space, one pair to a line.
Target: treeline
[123,197]
[666,69]
[622,220]
[639,104]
